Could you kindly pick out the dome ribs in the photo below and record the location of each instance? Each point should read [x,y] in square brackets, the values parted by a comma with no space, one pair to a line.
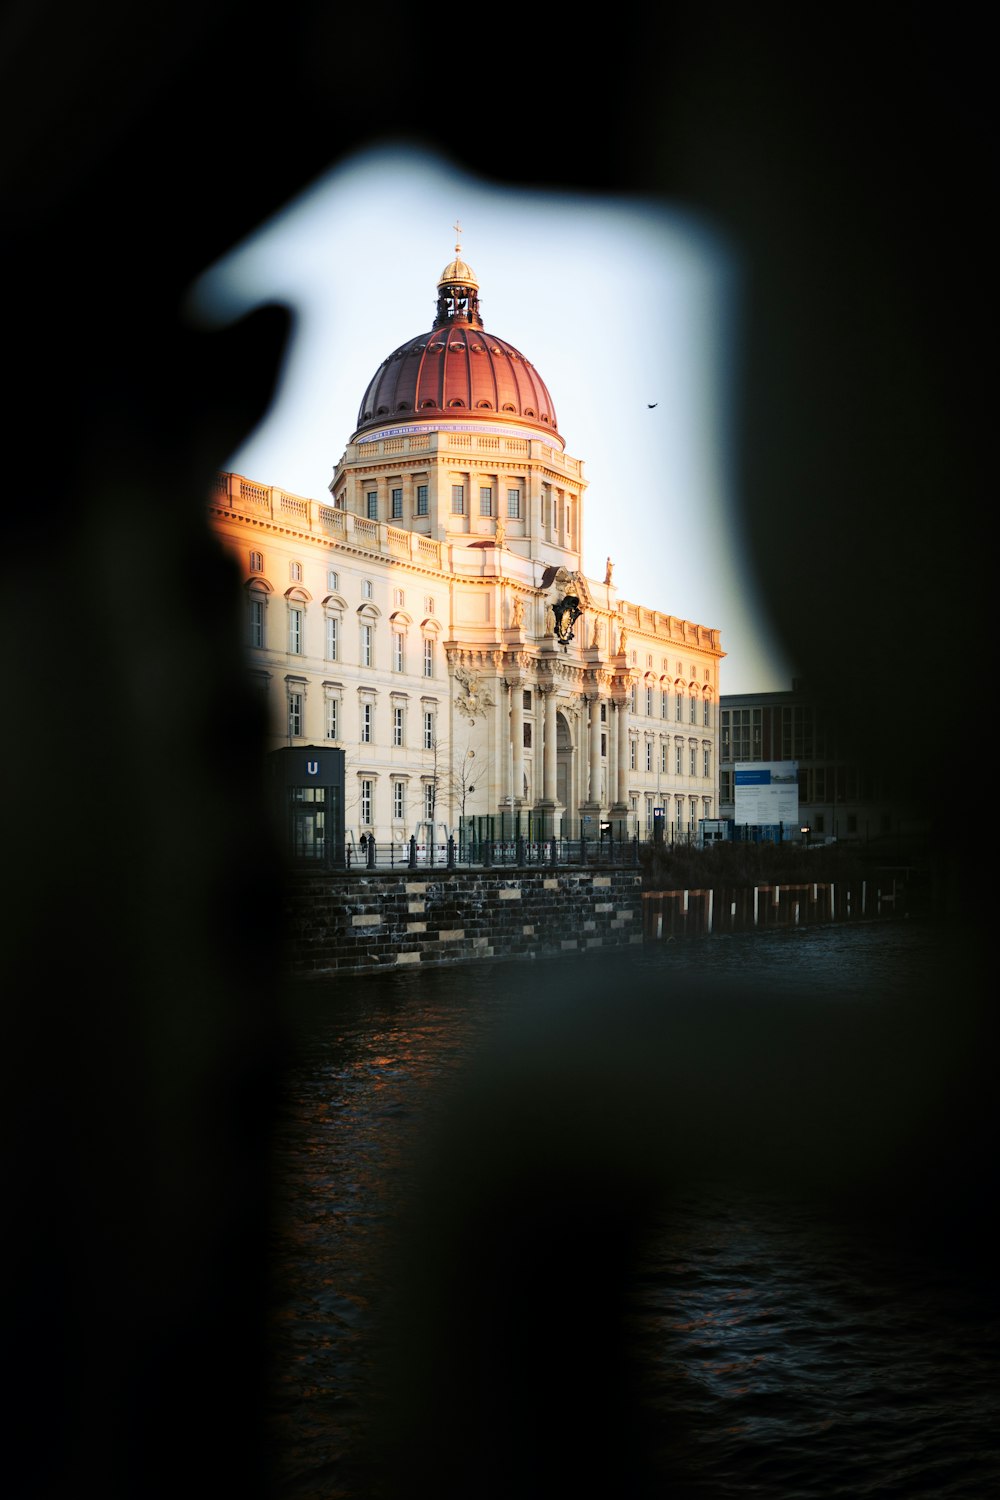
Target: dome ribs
[468,366]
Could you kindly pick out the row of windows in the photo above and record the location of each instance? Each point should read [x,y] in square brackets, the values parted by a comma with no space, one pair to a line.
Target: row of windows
[366,733]
[691,806]
[664,757]
[487,505]
[649,700]
[333,632]
[333,582]
[366,800]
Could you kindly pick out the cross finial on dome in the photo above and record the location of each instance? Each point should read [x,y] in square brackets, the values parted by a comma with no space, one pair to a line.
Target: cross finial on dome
[458,230]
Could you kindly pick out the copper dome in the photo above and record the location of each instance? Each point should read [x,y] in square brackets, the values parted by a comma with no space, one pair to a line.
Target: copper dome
[457,370]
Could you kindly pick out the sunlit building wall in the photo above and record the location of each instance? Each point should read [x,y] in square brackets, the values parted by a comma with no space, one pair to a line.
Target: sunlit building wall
[431,618]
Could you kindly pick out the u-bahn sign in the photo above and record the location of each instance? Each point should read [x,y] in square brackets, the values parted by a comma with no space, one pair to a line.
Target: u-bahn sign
[767,792]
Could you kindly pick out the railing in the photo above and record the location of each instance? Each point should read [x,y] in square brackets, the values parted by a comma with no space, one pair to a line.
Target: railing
[328,520]
[453,852]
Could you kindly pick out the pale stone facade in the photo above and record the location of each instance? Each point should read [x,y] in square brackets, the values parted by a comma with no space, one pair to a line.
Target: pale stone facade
[416,619]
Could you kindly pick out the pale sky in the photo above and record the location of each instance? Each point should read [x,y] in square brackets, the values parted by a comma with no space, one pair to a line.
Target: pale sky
[617,304]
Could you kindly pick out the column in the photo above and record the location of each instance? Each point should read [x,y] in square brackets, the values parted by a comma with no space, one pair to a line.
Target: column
[549,745]
[594,792]
[623,753]
[517,742]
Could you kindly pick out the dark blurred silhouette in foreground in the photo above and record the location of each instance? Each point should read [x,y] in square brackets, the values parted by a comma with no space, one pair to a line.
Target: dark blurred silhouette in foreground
[144,1037]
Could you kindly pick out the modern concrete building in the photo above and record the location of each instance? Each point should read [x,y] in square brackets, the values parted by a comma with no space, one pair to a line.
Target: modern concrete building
[431,617]
[839,798]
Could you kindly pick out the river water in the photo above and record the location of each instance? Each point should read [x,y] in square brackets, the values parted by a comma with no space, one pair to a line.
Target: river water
[709,1220]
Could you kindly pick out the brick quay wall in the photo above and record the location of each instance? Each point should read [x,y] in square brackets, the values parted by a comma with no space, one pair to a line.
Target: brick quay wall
[370,921]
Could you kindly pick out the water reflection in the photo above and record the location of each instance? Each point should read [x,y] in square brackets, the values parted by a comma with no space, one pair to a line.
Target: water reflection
[631,1224]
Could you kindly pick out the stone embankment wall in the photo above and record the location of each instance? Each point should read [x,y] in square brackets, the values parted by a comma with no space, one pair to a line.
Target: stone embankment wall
[362,923]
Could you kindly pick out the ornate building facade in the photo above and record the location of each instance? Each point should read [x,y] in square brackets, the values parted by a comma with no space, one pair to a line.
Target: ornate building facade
[431,618]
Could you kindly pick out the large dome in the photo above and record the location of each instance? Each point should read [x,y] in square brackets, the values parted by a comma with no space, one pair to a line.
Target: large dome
[457,371]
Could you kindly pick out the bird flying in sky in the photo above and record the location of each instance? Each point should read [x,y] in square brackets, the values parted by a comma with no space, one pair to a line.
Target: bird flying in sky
[651,404]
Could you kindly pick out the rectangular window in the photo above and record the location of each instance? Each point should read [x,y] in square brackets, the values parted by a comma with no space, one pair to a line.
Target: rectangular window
[367,788]
[295,632]
[366,645]
[429,604]
[663,756]
[423,506]
[631,754]
[397,726]
[367,588]
[332,718]
[649,755]
[428,657]
[295,572]
[706,762]
[604,744]
[485,500]
[256,622]
[398,653]
[693,761]
[526,736]
[632,698]
[458,499]
[705,715]
[294,715]
[332,637]
[398,800]
[256,562]
[678,759]
[332,579]
[649,703]
[679,711]
[428,730]
[514,505]
[367,722]
[371,505]
[397,505]
[694,710]
[664,704]
[526,700]
[399,598]
[429,801]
